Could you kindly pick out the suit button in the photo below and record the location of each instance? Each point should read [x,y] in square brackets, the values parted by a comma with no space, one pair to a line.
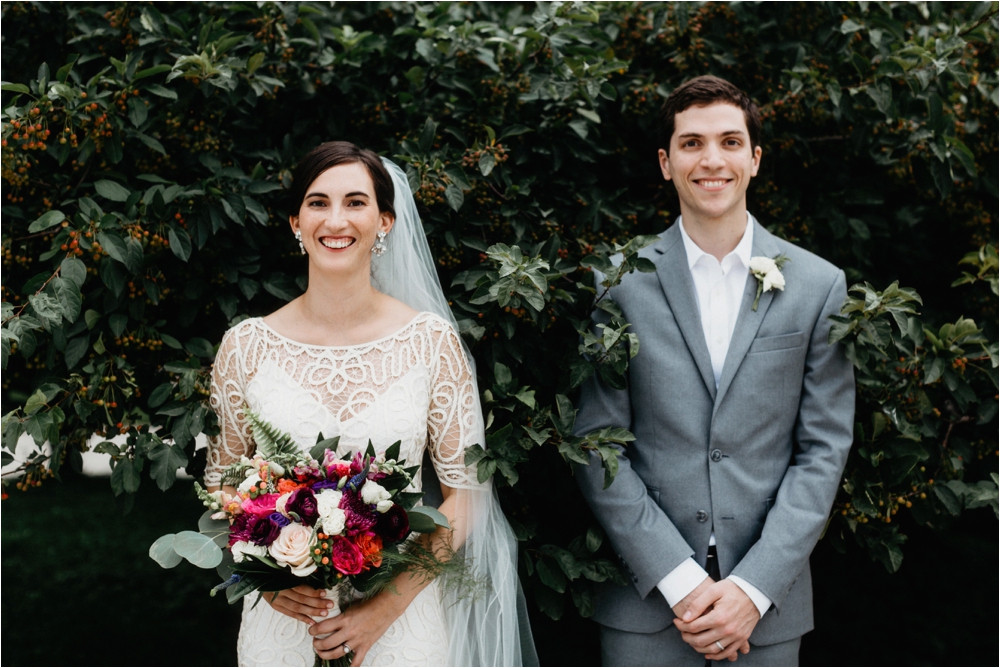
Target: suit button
[701,516]
[716,455]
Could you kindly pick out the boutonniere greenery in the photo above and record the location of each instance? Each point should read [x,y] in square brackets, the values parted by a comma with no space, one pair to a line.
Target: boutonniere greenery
[767,271]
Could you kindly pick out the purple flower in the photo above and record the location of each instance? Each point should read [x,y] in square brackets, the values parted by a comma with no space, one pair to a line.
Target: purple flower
[302,502]
[252,529]
[279,519]
[263,531]
[393,525]
[324,484]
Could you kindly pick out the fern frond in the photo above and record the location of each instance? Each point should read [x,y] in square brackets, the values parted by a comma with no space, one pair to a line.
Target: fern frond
[234,474]
[271,441]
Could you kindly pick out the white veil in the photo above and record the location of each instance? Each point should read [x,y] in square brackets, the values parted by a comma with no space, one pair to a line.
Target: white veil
[490,629]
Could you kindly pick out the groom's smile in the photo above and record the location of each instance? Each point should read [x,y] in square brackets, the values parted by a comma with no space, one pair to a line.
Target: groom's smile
[710,162]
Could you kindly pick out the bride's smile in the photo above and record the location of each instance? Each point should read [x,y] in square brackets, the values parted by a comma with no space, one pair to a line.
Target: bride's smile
[340,219]
[337,243]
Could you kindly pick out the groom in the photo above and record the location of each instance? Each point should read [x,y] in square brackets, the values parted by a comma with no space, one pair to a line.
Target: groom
[741,409]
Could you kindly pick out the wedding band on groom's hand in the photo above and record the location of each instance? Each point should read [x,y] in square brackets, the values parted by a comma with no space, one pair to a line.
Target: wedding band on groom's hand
[721,647]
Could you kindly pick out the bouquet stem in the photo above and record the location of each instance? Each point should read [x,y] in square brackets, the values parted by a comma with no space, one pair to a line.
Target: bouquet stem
[341,595]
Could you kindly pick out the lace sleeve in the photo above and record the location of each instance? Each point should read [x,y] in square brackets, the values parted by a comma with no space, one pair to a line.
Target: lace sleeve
[455,417]
[228,385]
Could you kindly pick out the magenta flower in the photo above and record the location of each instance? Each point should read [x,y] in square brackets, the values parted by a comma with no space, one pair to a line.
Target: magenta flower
[261,506]
[346,557]
[359,515]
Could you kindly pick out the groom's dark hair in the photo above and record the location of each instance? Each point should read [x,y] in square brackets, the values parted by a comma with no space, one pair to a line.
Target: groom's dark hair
[701,92]
[333,153]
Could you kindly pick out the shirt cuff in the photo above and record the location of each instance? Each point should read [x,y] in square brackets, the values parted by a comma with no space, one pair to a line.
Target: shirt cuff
[756,595]
[681,581]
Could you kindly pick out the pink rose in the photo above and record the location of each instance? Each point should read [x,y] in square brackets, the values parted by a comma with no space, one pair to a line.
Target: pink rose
[262,506]
[346,557]
[292,548]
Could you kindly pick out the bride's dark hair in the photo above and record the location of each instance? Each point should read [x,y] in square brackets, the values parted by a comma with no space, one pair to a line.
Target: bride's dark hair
[333,153]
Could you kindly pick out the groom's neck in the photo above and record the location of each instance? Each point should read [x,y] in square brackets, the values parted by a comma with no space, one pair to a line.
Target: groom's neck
[716,236]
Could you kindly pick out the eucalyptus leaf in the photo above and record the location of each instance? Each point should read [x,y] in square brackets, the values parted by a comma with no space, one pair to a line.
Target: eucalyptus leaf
[198,549]
[162,551]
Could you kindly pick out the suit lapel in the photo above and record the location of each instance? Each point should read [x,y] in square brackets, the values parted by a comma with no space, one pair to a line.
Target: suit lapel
[678,286]
[748,321]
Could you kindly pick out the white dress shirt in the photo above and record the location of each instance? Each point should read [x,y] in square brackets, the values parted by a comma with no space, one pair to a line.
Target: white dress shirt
[719,291]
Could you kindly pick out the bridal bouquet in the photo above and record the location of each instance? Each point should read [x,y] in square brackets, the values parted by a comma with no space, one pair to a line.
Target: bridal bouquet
[311,519]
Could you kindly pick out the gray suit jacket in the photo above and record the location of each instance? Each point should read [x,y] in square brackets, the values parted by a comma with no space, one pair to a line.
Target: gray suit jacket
[757,460]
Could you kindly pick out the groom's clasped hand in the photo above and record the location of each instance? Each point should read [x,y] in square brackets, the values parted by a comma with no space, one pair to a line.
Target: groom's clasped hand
[716,619]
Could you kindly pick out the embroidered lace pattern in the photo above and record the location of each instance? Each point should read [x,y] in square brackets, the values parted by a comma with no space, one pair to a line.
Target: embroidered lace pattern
[414,386]
[408,386]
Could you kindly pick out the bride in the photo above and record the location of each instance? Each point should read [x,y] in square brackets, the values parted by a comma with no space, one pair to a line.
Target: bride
[371,351]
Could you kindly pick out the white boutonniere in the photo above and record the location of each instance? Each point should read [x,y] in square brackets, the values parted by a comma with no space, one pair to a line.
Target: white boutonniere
[767,271]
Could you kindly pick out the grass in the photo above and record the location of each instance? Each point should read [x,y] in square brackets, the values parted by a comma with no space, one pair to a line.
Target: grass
[80,589]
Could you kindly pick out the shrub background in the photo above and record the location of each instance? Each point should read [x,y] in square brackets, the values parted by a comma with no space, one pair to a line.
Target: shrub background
[147,148]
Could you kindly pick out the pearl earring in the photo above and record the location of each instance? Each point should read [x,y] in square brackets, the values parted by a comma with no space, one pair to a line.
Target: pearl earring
[298,237]
[379,248]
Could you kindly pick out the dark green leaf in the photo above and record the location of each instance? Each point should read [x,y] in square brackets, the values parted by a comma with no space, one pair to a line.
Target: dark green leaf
[46,220]
[180,242]
[111,190]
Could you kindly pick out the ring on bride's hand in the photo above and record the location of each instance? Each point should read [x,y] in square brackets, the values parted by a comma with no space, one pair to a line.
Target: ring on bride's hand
[347,649]
[722,648]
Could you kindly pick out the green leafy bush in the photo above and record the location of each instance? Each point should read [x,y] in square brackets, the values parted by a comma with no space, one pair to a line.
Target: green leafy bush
[147,148]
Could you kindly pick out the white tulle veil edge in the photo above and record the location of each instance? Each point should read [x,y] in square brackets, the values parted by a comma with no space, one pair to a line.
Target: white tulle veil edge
[490,629]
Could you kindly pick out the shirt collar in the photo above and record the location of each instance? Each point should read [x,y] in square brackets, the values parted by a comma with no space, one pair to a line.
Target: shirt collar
[742,251]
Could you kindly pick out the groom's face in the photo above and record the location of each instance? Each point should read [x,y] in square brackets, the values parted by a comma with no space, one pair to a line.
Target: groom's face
[711,161]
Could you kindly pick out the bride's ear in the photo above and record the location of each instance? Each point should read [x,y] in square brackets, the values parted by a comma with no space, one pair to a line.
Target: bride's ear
[387,221]
[293,221]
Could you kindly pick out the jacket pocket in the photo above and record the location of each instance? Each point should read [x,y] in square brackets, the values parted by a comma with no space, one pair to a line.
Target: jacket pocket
[769,344]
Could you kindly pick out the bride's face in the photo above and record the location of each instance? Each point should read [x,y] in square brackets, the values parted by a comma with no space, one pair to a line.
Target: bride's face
[339,219]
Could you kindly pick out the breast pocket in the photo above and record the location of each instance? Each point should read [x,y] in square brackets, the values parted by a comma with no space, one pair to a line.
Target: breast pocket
[770,344]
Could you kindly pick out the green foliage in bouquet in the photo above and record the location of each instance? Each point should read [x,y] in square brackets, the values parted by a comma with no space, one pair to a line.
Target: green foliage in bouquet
[147,149]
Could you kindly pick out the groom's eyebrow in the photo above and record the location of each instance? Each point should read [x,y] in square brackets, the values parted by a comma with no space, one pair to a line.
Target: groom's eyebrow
[698,135]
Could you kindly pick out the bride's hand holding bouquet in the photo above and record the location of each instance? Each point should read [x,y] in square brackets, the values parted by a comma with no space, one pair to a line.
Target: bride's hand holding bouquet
[312,532]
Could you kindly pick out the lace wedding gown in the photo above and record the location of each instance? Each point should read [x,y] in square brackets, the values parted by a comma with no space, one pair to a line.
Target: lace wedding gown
[414,386]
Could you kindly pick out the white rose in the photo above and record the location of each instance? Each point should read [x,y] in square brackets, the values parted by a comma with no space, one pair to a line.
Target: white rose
[334,522]
[383,506]
[327,501]
[241,548]
[774,279]
[373,492]
[279,505]
[292,548]
[762,265]
[251,481]
[332,518]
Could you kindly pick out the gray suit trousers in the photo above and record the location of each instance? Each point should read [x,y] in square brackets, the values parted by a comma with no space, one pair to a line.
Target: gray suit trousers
[665,648]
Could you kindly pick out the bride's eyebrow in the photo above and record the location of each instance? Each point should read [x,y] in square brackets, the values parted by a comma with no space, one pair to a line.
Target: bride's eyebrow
[356,193]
